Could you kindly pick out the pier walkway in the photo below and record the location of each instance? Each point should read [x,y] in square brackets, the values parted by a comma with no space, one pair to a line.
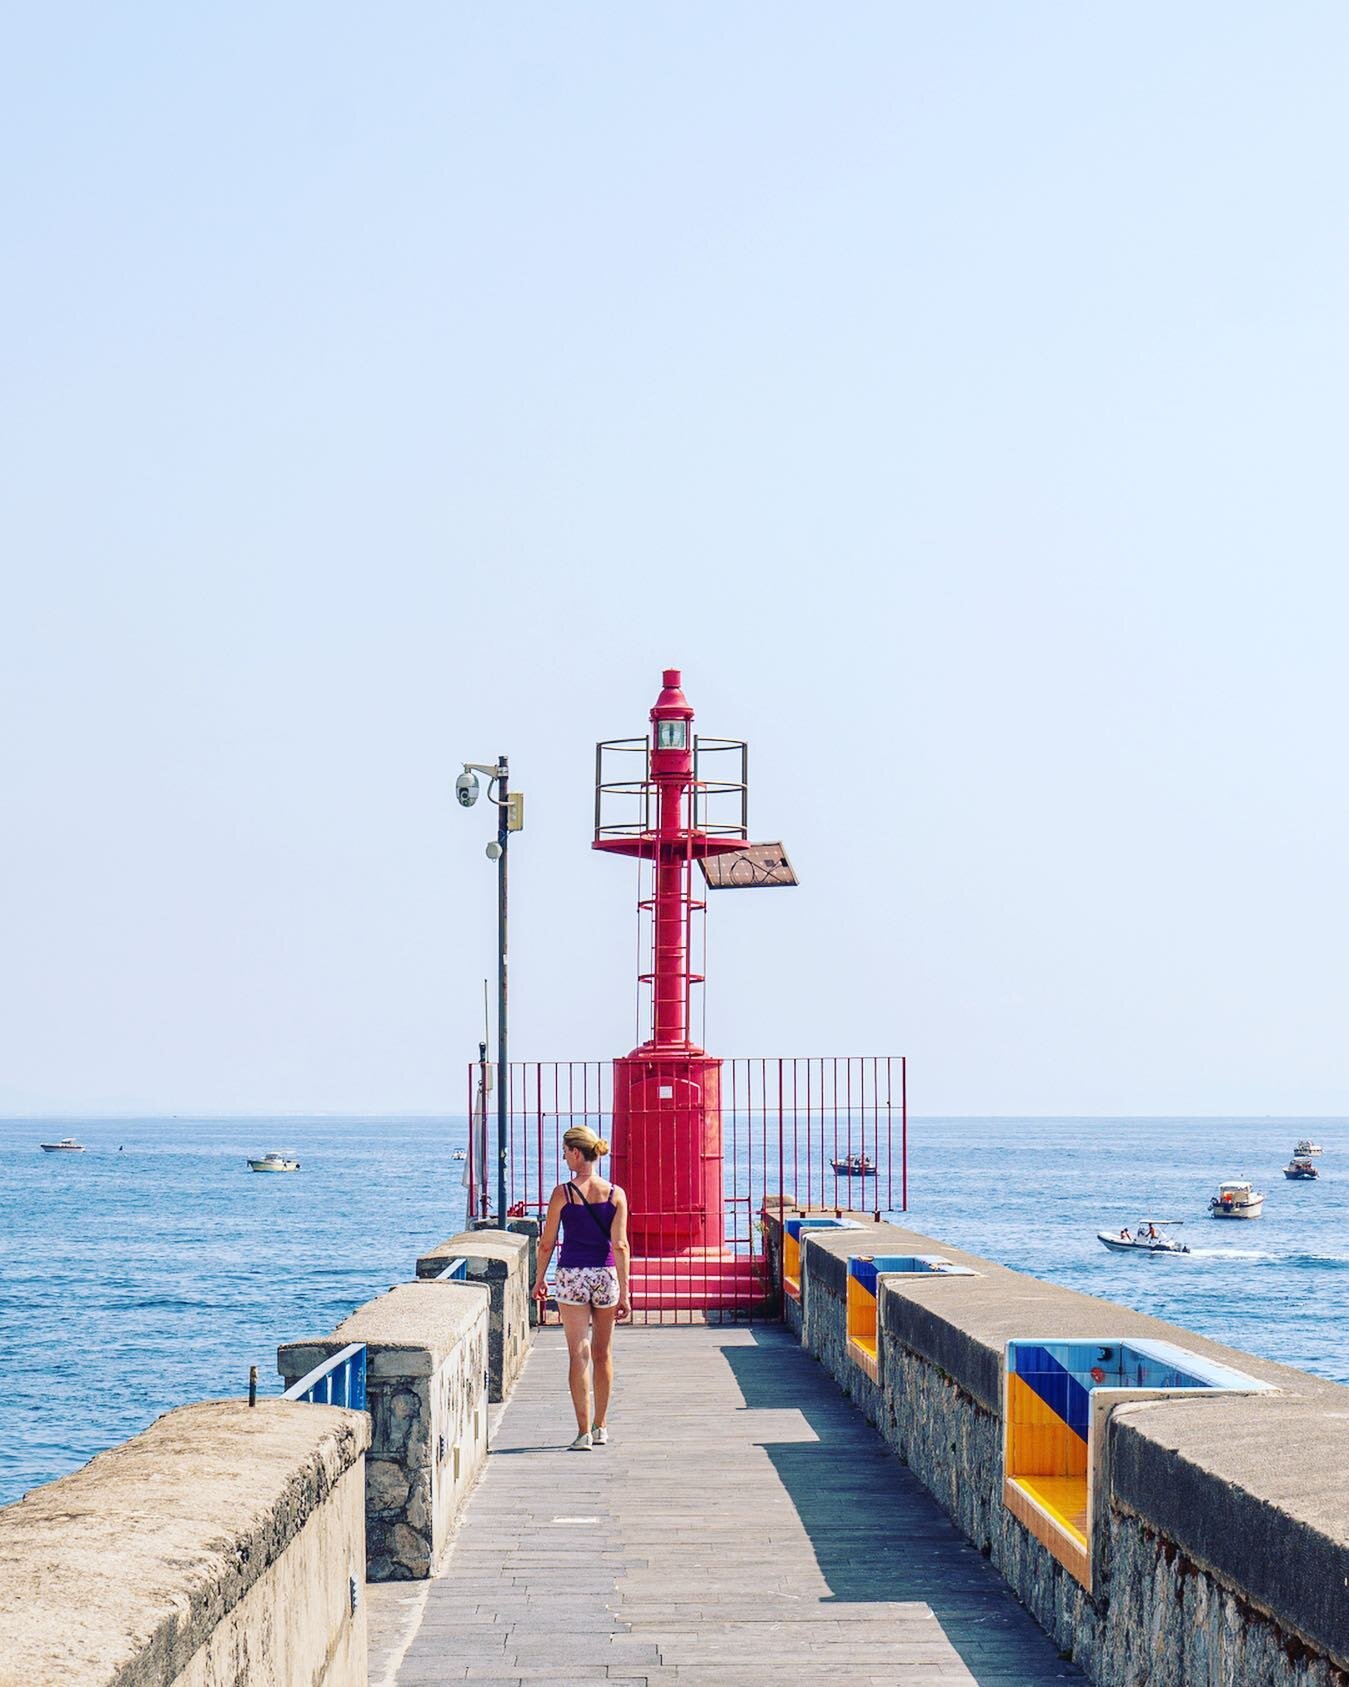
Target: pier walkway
[746,1524]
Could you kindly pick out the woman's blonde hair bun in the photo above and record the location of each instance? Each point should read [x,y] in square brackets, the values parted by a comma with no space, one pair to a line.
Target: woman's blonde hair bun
[582,1137]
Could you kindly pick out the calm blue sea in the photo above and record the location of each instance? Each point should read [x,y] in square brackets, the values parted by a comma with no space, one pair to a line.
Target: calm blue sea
[155,1268]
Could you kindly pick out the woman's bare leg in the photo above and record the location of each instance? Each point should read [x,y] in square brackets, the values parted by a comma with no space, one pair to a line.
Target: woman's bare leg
[602,1352]
[576,1322]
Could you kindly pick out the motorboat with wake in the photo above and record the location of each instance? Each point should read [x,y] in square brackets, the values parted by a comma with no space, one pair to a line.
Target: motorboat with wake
[1299,1167]
[1237,1199]
[1149,1236]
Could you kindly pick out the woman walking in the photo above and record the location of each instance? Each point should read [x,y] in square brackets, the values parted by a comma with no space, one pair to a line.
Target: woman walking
[592,1278]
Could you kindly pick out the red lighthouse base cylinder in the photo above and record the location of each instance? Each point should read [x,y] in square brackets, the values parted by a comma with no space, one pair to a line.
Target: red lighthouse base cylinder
[667,1151]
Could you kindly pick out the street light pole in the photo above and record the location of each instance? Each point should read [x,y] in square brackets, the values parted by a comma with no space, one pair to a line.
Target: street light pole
[510,807]
[503,840]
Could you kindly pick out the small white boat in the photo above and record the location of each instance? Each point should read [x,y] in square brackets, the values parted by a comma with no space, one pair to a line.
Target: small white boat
[1299,1168]
[1148,1236]
[1305,1145]
[274,1163]
[458,1154]
[1236,1200]
[67,1145]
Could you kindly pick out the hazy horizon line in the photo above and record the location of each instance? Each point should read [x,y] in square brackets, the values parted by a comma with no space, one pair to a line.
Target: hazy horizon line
[204,1117]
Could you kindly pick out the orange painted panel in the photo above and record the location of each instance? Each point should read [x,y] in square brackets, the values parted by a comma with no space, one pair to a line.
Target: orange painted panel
[791,1265]
[1068,1544]
[861,1312]
[1039,1442]
[1064,1498]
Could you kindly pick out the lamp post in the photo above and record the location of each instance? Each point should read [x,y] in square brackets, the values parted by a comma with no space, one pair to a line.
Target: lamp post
[510,807]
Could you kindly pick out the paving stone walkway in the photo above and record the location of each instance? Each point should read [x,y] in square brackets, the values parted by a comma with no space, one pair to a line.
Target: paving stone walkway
[746,1524]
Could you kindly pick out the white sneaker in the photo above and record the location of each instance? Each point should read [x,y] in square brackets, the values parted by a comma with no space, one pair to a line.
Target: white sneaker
[600,1435]
[581,1444]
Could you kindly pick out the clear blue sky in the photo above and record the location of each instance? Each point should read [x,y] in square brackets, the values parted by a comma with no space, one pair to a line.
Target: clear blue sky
[956,393]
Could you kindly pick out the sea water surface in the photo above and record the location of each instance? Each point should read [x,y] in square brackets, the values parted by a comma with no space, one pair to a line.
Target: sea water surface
[154,1269]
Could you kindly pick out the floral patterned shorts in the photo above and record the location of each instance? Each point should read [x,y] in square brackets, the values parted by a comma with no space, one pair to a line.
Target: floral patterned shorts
[586,1285]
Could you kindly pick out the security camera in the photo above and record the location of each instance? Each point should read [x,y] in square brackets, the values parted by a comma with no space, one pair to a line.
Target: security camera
[466,789]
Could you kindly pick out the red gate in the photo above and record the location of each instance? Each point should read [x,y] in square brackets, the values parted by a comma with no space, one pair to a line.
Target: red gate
[826,1132]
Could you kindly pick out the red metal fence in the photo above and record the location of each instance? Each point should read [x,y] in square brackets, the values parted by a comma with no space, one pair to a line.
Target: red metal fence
[827,1132]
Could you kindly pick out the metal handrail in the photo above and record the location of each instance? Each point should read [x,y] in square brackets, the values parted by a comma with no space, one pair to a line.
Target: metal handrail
[640,787]
[706,790]
[455,1272]
[338,1381]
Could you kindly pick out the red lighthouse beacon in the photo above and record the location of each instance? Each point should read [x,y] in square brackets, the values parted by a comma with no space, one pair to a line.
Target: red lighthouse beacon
[667,1101]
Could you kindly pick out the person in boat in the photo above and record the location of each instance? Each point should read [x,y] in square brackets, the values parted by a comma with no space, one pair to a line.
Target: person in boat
[1152,1233]
[591,1286]
[1124,1235]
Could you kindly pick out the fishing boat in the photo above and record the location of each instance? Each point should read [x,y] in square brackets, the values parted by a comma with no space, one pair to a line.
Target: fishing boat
[1299,1167]
[274,1162]
[1305,1145]
[67,1145]
[1236,1200]
[854,1165]
[1149,1236]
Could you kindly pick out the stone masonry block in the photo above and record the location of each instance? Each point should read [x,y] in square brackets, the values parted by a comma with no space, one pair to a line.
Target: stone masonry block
[427,1401]
[500,1260]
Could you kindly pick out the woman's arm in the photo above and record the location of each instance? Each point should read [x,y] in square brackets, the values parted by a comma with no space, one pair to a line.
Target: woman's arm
[547,1242]
[618,1236]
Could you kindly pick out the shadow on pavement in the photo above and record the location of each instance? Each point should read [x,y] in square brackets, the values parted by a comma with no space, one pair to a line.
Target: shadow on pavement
[876,1533]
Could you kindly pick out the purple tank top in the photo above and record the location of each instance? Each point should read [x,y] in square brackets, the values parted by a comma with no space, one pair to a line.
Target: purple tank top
[585,1230]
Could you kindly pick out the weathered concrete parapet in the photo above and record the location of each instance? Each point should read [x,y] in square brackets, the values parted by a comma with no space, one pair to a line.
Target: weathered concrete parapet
[1226,1519]
[426,1391]
[218,1546]
[1222,1552]
[500,1259]
[531,1229]
[824,1291]
[773,1215]
[1253,1493]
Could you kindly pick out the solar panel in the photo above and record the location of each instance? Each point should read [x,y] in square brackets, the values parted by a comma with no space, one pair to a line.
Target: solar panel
[761,866]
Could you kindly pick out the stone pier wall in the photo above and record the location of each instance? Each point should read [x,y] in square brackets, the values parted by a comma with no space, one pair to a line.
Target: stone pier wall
[220,1546]
[426,1388]
[229,1544]
[1223,1559]
[501,1260]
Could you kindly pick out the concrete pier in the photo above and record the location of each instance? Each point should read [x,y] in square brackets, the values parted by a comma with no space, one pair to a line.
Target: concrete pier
[853,1495]
[745,1524]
